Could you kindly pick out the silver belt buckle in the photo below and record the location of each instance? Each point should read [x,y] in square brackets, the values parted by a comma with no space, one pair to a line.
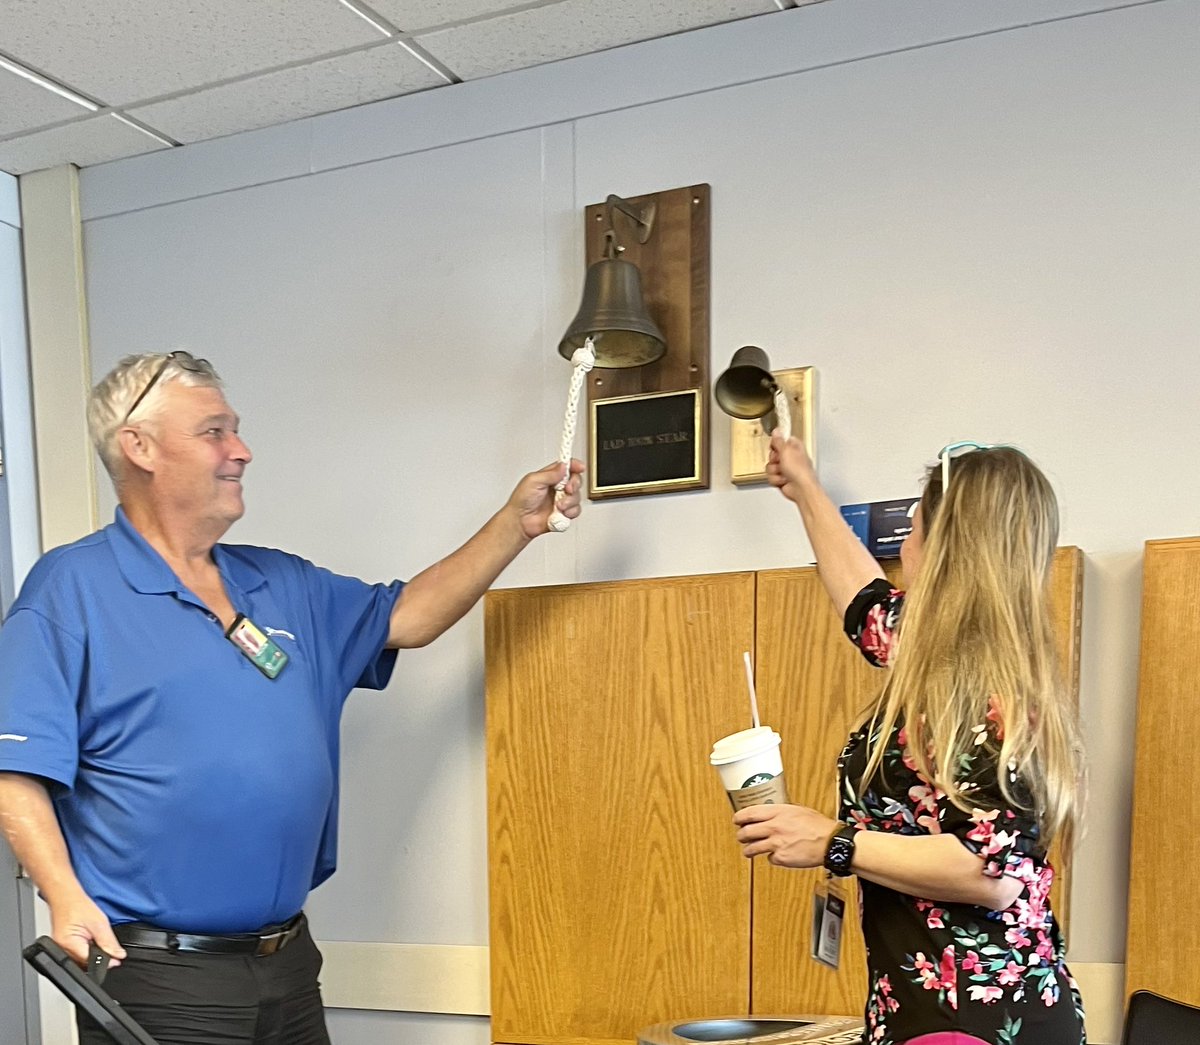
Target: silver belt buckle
[268,945]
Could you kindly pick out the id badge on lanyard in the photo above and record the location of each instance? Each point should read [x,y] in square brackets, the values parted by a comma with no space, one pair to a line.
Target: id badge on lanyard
[257,647]
[828,913]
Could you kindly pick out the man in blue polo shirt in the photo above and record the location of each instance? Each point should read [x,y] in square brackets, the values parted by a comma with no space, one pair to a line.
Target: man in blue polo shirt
[169,712]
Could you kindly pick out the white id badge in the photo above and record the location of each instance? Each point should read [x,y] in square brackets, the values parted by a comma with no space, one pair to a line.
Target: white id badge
[828,913]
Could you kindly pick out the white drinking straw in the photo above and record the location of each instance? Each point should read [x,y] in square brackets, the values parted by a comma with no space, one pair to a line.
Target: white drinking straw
[753,695]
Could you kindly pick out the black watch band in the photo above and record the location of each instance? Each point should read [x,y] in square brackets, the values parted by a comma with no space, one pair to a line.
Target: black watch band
[839,855]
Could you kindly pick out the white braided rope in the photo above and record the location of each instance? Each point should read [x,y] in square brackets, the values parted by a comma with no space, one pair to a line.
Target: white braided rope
[783,413]
[583,359]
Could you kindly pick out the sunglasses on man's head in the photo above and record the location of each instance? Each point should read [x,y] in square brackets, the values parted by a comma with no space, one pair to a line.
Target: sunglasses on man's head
[181,358]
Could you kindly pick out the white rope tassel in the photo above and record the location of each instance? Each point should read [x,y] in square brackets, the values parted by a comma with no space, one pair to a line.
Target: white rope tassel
[583,359]
[783,413]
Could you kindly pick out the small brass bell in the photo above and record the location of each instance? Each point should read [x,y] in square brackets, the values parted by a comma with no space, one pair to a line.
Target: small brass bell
[747,389]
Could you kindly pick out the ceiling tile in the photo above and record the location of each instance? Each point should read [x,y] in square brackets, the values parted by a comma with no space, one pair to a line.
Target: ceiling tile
[97,139]
[572,27]
[25,105]
[122,51]
[334,83]
[414,15]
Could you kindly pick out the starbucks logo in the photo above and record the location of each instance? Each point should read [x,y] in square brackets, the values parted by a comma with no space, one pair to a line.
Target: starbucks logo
[759,778]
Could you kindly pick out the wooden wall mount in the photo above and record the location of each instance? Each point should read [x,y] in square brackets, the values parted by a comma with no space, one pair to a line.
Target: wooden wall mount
[675,270]
[750,445]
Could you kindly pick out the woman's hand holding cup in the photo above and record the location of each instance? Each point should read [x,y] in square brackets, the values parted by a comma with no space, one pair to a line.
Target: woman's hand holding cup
[790,836]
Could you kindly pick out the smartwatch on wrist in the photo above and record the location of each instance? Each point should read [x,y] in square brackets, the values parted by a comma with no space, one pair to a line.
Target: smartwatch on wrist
[839,855]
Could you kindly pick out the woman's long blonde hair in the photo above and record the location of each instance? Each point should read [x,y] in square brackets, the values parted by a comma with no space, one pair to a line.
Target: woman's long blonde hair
[976,629]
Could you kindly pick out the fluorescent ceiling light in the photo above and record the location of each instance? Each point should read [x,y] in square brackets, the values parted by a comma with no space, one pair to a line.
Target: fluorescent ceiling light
[49,85]
[366,16]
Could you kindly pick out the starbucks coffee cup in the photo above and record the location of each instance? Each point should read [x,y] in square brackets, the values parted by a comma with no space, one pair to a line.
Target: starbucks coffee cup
[750,766]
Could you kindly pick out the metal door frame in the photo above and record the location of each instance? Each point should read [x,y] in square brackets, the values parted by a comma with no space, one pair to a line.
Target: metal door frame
[19,547]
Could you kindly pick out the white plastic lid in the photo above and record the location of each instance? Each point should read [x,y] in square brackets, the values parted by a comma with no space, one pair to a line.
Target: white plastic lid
[740,745]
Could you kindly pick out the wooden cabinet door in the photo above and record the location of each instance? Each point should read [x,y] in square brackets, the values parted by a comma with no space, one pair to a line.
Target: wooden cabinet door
[813,685]
[618,895]
[1164,877]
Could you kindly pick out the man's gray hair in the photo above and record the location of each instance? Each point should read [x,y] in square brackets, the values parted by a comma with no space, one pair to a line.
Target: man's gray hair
[111,399]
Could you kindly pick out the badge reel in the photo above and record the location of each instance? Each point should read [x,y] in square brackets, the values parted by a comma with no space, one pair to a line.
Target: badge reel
[257,647]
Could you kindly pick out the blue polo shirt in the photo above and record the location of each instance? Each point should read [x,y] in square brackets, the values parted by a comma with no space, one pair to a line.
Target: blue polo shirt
[193,792]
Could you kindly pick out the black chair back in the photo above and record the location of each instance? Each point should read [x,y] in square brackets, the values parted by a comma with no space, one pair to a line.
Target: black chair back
[1155,1020]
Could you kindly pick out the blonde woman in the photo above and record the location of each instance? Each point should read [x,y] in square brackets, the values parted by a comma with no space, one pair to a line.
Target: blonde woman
[963,772]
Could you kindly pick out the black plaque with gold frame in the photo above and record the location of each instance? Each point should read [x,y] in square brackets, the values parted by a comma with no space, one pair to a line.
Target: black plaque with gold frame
[649,443]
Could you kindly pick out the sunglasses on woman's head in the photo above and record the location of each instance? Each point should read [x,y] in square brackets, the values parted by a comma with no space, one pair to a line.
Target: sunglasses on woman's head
[952,450]
[183,359]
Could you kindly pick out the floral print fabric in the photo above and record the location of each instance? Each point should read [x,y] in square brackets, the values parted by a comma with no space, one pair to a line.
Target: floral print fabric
[935,966]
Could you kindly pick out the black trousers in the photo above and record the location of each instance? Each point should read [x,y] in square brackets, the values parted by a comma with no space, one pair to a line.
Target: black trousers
[219,999]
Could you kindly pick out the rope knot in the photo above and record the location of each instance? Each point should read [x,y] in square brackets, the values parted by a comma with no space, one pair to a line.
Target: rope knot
[584,357]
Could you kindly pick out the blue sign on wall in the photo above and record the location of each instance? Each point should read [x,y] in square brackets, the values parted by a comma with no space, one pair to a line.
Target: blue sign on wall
[882,525]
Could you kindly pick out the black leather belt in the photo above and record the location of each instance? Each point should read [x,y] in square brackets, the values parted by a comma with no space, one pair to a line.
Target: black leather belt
[268,940]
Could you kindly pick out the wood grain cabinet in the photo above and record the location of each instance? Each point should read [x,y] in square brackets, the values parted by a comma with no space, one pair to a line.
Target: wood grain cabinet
[618,896]
[1164,871]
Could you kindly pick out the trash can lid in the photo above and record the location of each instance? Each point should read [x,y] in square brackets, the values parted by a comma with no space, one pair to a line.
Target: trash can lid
[757,1030]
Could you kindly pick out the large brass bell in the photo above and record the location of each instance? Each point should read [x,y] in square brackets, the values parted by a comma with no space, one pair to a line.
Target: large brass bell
[747,388]
[613,314]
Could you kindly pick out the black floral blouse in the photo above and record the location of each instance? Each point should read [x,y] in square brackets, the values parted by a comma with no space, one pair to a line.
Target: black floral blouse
[935,966]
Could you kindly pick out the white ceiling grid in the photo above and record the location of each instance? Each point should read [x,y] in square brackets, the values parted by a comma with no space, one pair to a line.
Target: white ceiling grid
[188,70]
[24,104]
[289,94]
[547,33]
